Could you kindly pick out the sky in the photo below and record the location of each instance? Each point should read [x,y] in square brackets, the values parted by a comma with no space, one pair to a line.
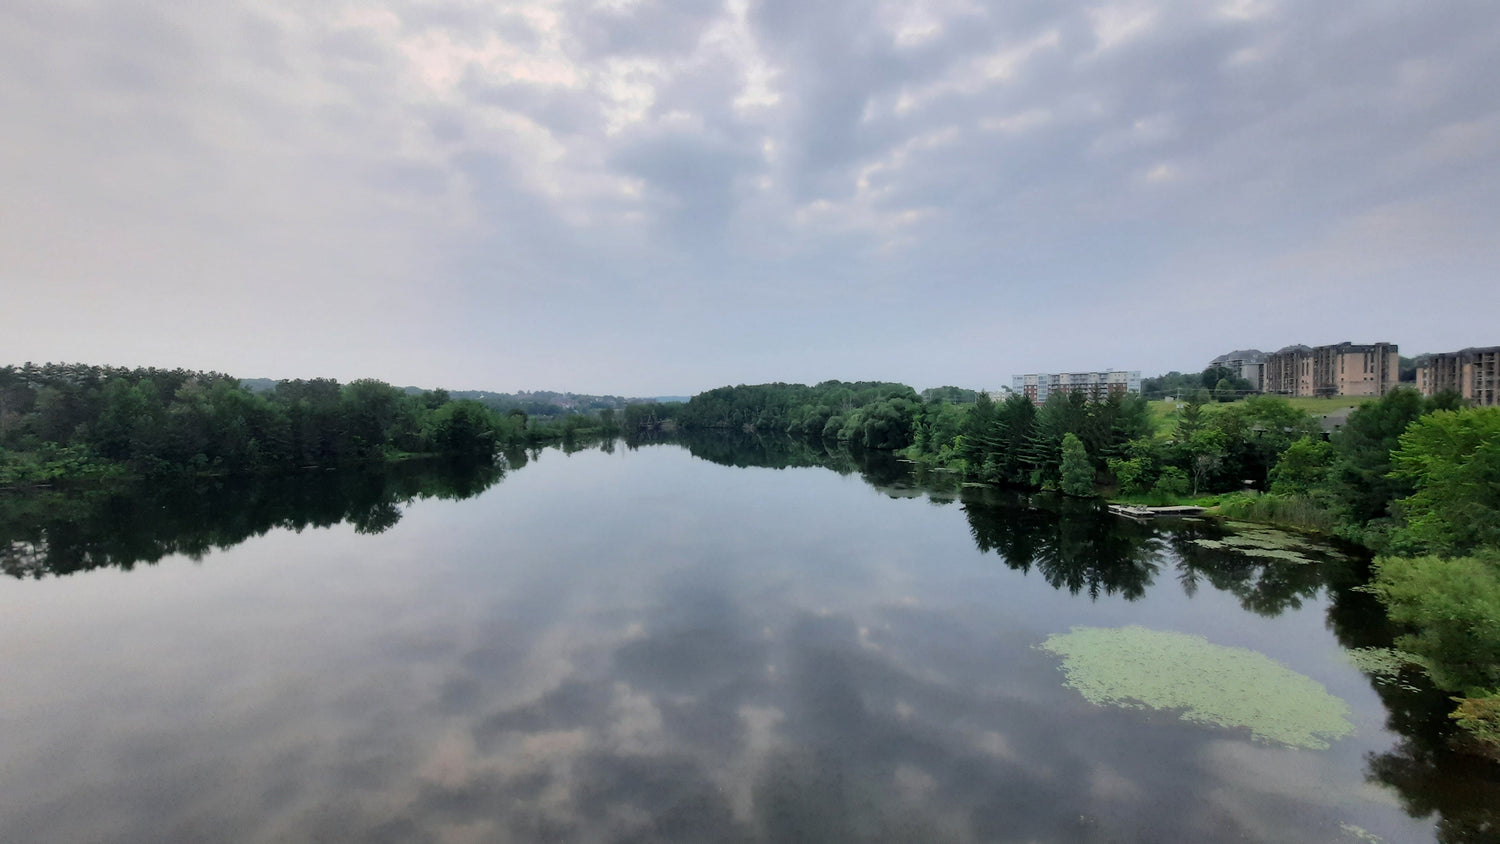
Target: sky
[657,198]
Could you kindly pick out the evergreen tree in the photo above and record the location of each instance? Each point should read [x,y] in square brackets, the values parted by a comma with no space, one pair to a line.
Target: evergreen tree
[1077,471]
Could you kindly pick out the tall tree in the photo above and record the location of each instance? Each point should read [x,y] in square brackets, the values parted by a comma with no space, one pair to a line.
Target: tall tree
[1077,472]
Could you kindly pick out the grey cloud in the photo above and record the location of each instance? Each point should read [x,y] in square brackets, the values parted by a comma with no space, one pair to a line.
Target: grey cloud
[652,28]
[565,113]
[334,153]
[695,174]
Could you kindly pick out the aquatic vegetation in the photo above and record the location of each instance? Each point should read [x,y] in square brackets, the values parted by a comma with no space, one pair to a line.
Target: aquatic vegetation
[1262,542]
[1384,665]
[1277,554]
[1359,833]
[1260,536]
[1210,684]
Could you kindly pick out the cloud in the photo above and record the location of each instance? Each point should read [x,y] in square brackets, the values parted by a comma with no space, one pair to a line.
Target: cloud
[286,191]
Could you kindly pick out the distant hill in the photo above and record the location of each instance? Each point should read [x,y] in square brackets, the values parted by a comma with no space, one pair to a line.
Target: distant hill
[258,385]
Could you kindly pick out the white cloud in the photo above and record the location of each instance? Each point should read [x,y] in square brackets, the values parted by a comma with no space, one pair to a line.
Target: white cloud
[1022,121]
[1119,24]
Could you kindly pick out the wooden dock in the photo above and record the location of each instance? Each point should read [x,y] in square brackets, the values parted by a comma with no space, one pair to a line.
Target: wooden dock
[1136,511]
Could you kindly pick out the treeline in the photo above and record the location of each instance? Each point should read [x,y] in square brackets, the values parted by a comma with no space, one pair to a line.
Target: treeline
[72,420]
[545,403]
[1016,443]
[865,414]
[1218,383]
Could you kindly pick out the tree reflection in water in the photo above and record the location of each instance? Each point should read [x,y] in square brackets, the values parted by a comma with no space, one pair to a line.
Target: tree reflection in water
[1078,546]
[57,533]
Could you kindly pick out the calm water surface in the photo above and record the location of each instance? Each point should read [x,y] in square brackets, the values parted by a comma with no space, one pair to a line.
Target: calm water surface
[644,645]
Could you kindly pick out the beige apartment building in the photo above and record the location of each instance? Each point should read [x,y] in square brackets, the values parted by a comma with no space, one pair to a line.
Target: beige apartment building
[1038,386]
[1472,373]
[1289,372]
[1342,369]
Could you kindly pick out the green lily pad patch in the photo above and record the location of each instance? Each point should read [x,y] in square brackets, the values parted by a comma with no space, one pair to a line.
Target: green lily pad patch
[1134,667]
[1262,542]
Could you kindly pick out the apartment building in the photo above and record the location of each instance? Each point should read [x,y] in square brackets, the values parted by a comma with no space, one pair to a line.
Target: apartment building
[1342,369]
[1473,373]
[1038,386]
[1249,364]
[1288,372]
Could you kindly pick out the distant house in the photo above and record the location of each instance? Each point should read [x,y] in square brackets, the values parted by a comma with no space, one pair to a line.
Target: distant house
[1038,386]
[1249,364]
[1342,369]
[1473,373]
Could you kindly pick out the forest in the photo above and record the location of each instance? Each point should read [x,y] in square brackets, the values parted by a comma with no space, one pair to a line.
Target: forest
[73,421]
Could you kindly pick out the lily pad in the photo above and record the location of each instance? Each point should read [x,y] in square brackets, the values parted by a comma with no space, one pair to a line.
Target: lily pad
[1385,665]
[1262,542]
[1276,554]
[1134,667]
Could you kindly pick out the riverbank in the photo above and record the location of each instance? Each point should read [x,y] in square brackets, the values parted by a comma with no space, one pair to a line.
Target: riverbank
[1295,512]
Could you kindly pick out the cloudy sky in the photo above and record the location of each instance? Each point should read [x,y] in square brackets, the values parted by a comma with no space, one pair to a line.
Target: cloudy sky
[642,197]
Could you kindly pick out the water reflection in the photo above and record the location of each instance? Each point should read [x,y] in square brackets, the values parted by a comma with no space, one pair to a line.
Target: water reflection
[1074,545]
[1265,587]
[762,451]
[57,533]
[1081,548]
[1432,777]
[652,667]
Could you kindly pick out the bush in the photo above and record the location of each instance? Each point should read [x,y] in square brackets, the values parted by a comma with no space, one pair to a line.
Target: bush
[1173,483]
[1480,718]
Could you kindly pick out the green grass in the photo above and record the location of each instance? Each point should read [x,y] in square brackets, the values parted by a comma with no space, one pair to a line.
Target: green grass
[1164,411]
[1294,511]
[1321,406]
[1164,416]
[1153,499]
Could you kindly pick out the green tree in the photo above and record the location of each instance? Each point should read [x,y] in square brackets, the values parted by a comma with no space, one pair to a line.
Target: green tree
[1452,460]
[463,427]
[1138,469]
[1171,483]
[1303,467]
[1189,419]
[1256,433]
[979,429]
[1077,471]
[1205,452]
[1361,479]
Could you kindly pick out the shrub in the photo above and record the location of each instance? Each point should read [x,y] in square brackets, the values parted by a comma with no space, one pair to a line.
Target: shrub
[1480,718]
[1299,511]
